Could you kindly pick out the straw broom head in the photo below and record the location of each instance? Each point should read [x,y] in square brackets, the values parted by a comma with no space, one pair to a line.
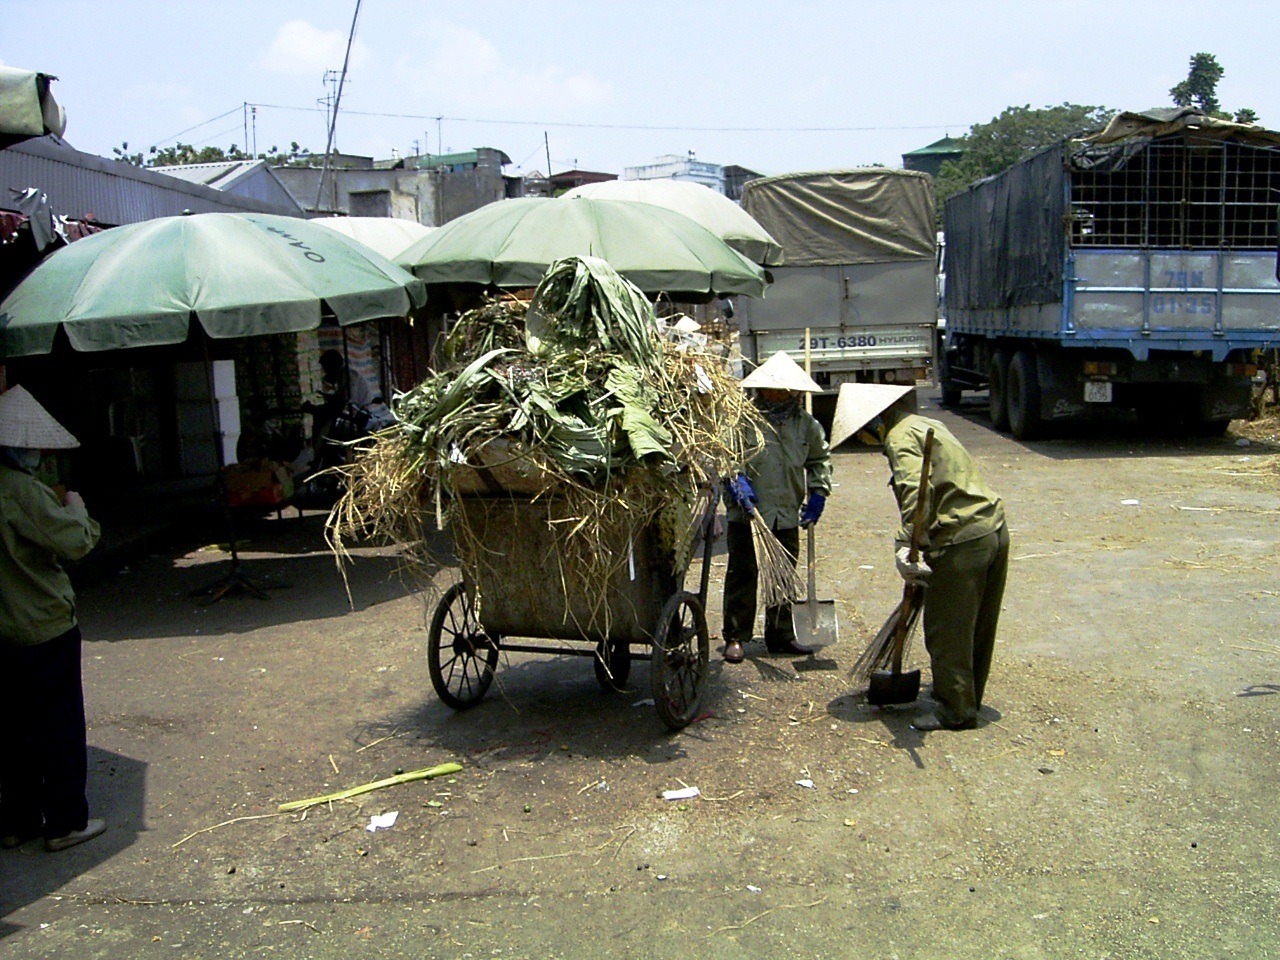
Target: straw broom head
[779,583]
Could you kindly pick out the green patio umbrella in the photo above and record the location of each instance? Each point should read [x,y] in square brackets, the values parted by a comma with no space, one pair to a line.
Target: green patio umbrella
[713,210]
[237,274]
[511,243]
[390,236]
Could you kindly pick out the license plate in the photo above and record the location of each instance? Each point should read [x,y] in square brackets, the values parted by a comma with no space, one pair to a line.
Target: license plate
[1097,391]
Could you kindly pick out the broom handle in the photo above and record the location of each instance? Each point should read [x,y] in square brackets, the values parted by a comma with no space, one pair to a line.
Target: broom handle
[918,520]
[912,591]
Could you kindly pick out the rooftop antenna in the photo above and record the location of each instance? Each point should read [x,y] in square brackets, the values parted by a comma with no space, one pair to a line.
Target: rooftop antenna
[333,116]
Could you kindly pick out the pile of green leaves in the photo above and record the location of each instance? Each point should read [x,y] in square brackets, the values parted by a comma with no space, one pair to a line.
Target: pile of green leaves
[577,390]
[568,381]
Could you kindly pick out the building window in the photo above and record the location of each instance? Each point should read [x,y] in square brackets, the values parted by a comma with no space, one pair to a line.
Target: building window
[371,203]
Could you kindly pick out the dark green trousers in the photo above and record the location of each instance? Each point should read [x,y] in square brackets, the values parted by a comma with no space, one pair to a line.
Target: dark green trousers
[961,613]
[740,583]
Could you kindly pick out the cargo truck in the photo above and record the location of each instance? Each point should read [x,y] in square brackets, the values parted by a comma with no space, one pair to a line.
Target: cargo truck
[1132,272]
[858,272]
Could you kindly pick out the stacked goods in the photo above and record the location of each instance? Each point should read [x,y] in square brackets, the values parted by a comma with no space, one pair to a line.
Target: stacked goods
[576,400]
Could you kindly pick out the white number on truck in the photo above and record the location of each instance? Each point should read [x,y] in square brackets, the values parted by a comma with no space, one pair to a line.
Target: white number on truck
[1097,391]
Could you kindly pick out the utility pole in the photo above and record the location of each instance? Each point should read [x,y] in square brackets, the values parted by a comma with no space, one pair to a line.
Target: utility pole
[337,99]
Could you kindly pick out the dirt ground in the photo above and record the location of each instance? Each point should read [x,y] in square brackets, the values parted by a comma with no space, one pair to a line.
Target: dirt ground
[1118,800]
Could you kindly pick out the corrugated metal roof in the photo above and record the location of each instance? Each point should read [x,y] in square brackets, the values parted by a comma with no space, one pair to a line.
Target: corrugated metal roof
[948,145]
[81,185]
[220,174]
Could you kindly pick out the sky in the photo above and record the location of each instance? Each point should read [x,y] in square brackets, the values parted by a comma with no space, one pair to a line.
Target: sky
[774,87]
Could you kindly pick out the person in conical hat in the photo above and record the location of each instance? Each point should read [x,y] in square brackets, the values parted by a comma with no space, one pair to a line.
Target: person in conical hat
[26,425]
[43,756]
[780,372]
[787,482]
[964,555]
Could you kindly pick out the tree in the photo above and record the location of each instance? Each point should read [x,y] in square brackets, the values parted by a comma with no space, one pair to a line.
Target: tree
[185,153]
[122,153]
[1200,89]
[1014,134]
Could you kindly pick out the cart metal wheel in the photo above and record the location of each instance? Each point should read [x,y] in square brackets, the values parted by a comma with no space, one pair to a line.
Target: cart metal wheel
[678,667]
[461,656]
[612,672]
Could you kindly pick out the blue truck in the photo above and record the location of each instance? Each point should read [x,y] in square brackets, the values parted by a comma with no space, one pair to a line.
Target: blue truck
[1128,273]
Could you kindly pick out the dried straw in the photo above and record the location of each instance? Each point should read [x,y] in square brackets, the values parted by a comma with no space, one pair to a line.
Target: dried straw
[779,582]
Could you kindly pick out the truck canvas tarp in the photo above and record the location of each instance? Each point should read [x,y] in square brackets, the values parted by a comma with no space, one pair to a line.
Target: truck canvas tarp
[846,216]
[1134,269]
[858,272]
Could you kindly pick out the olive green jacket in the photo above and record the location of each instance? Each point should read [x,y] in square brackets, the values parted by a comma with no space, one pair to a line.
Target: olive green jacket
[960,505]
[36,532]
[793,461]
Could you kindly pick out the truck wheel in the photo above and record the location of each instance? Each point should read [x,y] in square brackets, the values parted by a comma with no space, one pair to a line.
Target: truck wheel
[1023,396]
[951,391]
[997,375]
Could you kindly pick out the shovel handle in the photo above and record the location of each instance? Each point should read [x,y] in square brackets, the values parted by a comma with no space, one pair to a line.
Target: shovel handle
[813,588]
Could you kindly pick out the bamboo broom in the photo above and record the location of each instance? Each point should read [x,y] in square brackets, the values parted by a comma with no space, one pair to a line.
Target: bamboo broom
[779,583]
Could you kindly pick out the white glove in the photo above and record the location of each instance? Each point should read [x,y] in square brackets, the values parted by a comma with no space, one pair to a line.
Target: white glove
[72,499]
[916,573]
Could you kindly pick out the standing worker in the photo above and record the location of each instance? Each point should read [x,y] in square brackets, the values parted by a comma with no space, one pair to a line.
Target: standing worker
[964,544]
[43,755]
[787,482]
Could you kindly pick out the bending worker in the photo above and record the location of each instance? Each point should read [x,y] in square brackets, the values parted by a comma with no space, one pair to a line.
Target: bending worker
[964,544]
[787,482]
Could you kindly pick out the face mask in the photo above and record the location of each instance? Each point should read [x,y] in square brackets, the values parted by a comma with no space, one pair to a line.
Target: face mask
[22,458]
[873,433]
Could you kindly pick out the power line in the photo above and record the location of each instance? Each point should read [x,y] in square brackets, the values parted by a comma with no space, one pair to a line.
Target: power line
[202,123]
[620,126]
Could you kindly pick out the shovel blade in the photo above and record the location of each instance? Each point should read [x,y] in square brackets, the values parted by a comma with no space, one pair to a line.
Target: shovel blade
[816,622]
[889,688]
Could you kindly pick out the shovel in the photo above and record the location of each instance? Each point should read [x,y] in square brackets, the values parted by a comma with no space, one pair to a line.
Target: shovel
[892,686]
[815,620]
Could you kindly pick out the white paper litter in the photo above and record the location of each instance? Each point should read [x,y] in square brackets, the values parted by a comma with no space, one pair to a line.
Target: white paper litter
[704,382]
[807,784]
[753,889]
[643,703]
[382,821]
[687,793]
[1130,503]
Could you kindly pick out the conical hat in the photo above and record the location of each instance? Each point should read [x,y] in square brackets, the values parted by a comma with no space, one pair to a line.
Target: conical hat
[858,404]
[24,423]
[780,372]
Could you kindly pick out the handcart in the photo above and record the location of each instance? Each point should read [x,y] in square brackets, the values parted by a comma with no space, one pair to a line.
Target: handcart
[525,595]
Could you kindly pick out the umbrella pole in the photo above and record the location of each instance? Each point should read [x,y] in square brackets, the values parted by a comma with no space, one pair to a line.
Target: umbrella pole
[236,580]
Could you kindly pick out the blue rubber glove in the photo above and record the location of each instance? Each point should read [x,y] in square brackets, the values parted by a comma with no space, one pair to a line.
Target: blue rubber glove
[742,493]
[812,509]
